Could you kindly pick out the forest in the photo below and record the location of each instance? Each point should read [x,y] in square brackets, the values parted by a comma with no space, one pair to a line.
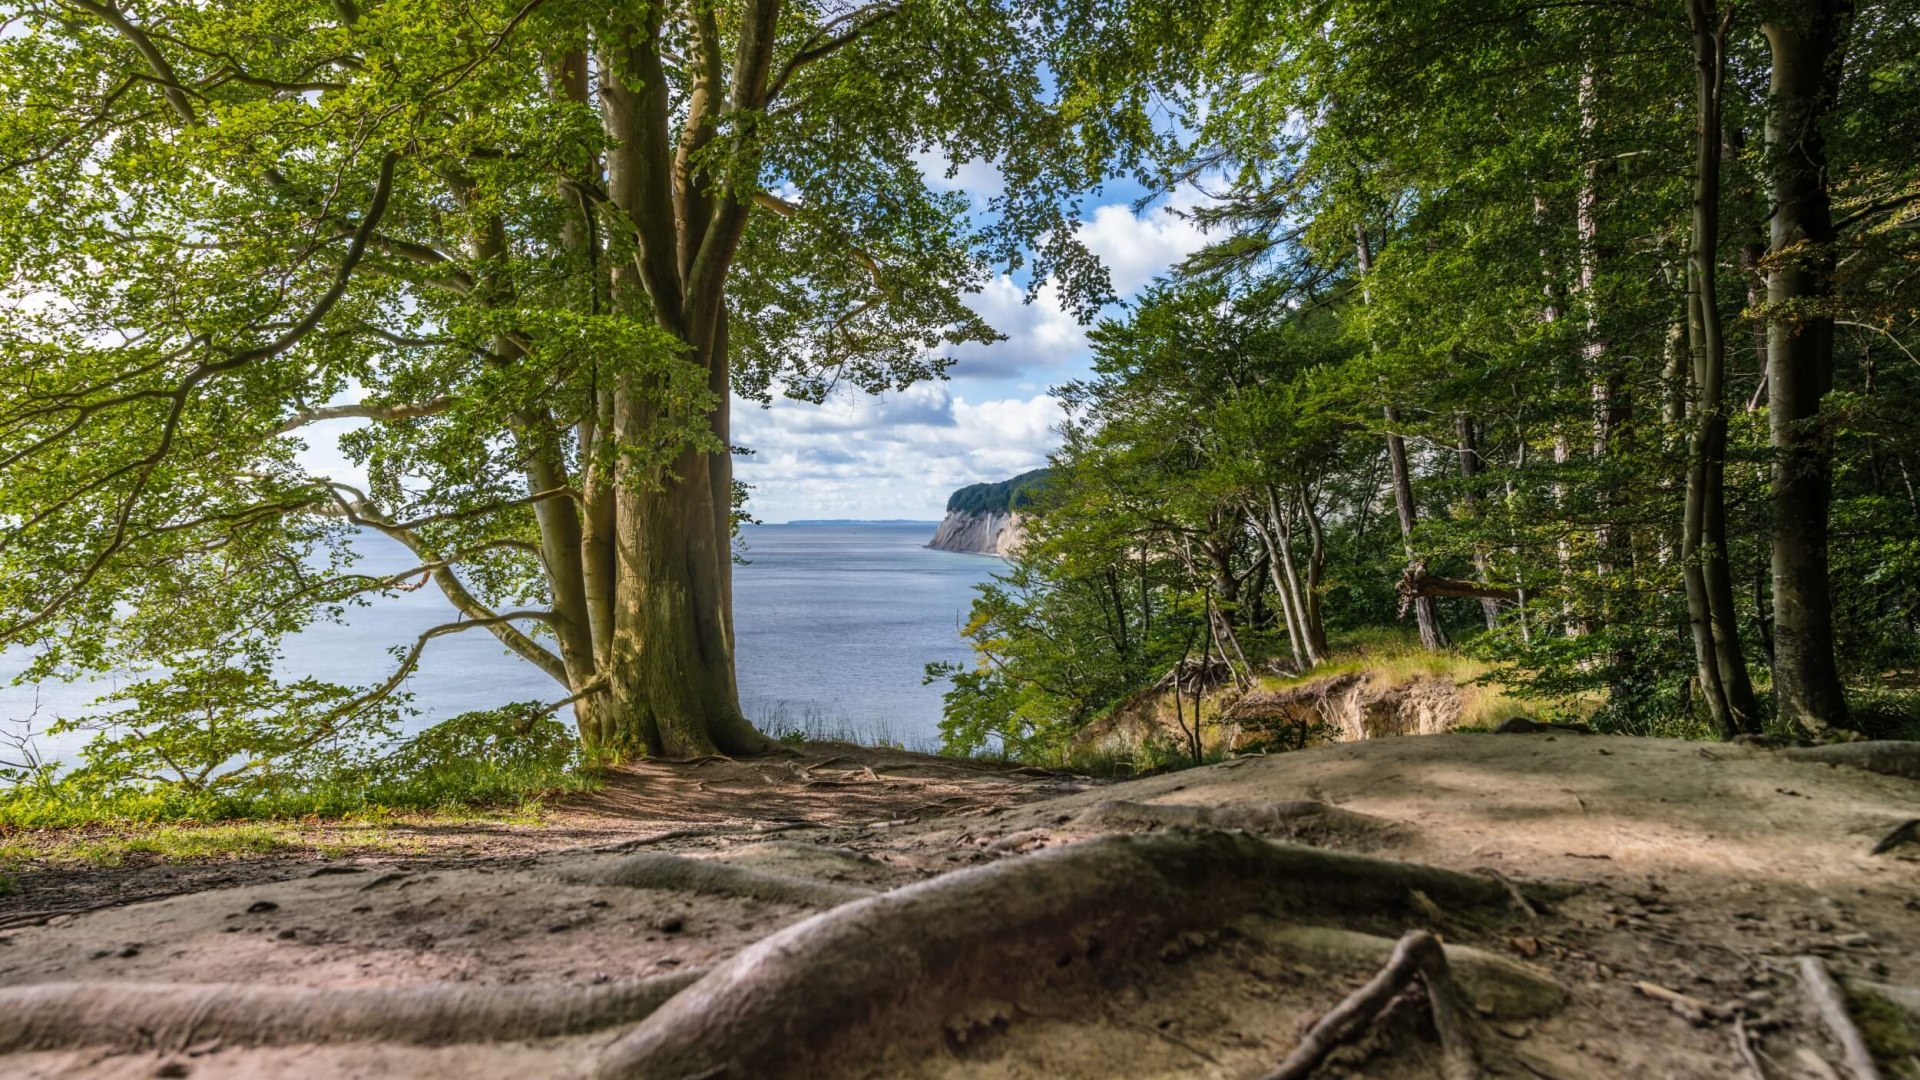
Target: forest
[1580,341]
[999,497]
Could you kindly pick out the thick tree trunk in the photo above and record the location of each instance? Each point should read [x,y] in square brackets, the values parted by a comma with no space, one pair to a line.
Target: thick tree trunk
[672,675]
[669,657]
[1806,39]
[1710,611]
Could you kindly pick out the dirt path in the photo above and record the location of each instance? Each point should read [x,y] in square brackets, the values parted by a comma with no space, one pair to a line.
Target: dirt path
[825,783]
[1672,885]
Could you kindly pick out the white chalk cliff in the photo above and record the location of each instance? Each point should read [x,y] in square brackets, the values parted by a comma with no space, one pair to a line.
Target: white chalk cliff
[983,532]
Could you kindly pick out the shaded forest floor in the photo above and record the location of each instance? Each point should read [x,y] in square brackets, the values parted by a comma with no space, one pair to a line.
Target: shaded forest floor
[1668,887]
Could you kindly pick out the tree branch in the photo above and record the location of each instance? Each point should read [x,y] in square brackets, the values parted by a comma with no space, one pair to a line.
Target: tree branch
[366,410]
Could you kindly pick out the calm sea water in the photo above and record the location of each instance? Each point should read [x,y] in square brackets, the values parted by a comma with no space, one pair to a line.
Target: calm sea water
[834,623]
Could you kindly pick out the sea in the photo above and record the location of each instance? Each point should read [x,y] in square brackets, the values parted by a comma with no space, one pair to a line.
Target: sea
[835,623]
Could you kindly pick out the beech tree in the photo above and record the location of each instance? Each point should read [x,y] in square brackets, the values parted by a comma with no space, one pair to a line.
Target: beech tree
[536,246]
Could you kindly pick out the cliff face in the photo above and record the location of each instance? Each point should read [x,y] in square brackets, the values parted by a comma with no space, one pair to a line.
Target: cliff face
[988,519]
[983,532]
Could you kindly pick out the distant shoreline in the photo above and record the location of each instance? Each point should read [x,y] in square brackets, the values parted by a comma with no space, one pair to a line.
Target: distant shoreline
[856,521]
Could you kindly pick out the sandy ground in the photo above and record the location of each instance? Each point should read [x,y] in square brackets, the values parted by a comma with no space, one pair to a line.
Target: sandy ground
[1697,869]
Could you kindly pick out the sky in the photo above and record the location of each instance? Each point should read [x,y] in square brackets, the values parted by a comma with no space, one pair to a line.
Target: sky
[900,454]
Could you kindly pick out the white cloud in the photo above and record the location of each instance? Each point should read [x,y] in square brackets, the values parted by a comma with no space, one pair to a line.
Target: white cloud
[1136,248]
[842,459]
[901,455]
[979,179]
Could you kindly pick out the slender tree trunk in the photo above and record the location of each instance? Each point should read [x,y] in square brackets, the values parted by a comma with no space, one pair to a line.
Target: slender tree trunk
[1286,578]
[1467,446]
[1316,621]
[1432,634]
[1710,611]
[1806,39]
[1296,637]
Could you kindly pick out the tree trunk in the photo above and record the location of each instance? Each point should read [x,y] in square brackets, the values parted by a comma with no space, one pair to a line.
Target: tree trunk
[1470,467]
[1302,607]
[1806,39]
[1432,634]
[672,676]
[669,655]
[1710,612]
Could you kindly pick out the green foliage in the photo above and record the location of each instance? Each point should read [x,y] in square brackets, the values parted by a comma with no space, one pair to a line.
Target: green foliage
[226,222]
[1464,226]
[503,757]
[1005,496]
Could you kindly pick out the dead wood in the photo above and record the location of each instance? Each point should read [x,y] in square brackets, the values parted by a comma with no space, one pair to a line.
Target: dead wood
[1830,1003]
[1416,583]
[659,870]
[883,974]
[703,833]
[1743,1045]
[165,1016]
[1890,757]
[1418,954]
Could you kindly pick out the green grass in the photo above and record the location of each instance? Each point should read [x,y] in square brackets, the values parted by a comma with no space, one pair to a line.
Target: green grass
[116,845]
[1393,660]
[457,787]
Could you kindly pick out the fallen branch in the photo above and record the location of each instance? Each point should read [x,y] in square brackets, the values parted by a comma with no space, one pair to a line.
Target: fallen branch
[1689,1008]
[1743,1044]
[691,834]
[165,1016]
[1830,1002]
[1416,583]
[1418,954]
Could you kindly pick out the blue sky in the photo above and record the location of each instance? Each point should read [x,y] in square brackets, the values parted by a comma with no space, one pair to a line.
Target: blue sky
[899,455]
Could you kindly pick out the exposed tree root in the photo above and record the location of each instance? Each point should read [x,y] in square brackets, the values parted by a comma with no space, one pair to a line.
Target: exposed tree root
[1418,954]
[657,870]
[166,1016]
[1890,757]
[1493,984]
[1830,1003]
[883,974]
[690,834]
[1907,832]
[1295,820]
